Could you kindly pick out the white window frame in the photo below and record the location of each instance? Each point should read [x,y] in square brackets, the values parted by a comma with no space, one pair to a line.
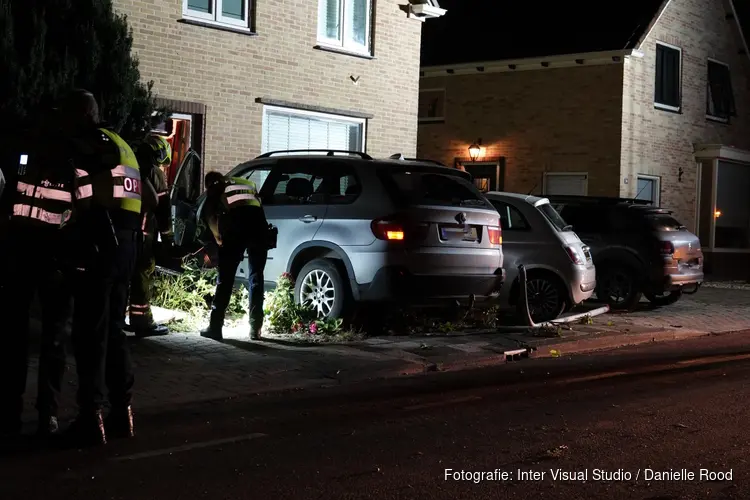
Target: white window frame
[215,17]
[708,89]
[303,112]
[433,118]
[657,186]
[679,81]
[568,174]
[342,44]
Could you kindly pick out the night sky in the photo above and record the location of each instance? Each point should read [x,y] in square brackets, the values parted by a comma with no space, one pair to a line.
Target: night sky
[485,30]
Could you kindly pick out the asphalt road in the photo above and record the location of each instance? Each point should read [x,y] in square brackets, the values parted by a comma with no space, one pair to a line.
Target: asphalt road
[670,407]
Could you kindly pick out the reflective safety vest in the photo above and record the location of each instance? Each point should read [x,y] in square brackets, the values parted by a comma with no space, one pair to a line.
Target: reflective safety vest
[239,193]
[117,188]
[44,201]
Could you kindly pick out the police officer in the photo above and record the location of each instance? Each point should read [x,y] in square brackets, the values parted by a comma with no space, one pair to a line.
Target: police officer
[234,214]
[34,261]
[154,153]
[107,216]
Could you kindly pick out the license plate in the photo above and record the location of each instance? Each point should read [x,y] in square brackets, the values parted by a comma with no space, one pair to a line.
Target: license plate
[458,233]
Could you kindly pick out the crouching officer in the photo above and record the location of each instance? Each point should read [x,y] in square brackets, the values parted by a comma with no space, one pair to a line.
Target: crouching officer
[107,217]
[154,153]
[234,214]
[38,202]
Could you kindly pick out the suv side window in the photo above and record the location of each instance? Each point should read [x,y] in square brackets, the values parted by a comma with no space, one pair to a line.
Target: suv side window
[305,181]
[511,218]
[257,175]
[585,220]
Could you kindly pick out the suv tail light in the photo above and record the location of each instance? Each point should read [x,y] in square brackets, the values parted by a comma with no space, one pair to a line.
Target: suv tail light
[576,257]
[388,229]
[666,248]
[495,234]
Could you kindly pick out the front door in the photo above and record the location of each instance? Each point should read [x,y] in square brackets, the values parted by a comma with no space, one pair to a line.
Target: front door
[487,176]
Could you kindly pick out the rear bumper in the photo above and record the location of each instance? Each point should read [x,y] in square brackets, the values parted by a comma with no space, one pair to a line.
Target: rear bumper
[677,281]
[397,284]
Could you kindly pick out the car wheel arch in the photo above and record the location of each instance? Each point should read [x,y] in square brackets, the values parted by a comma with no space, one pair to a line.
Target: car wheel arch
[311,250]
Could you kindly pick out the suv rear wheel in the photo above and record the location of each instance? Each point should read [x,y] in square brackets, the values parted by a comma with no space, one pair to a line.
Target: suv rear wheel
[618,287]
[322,286]
[664,298]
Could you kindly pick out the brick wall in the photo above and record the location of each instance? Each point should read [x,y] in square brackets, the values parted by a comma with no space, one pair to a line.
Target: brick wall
[660,142]
[228,71]
[556,120]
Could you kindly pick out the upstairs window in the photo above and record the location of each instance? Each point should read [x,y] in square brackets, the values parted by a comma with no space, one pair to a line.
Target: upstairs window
[668,84]
[345,24]
[231,13]
[719,94]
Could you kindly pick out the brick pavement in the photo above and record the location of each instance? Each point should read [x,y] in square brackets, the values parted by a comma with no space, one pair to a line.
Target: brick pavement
[185,368]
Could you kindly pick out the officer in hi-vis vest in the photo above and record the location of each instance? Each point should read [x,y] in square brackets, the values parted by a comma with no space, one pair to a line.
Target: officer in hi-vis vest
[39,202]
[108,226]
[235,216]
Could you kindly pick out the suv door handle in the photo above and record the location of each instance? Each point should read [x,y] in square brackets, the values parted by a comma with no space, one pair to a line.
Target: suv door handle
[308,218]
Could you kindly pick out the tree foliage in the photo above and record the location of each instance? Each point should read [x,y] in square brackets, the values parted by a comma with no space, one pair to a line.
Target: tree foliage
[50,46]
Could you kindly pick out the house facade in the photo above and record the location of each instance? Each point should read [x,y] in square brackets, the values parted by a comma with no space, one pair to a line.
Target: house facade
[666,119]
[243,77]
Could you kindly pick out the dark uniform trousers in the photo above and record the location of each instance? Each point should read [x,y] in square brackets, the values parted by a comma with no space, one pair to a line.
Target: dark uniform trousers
[241,231]
[140,286]
[29,270]
[102,352]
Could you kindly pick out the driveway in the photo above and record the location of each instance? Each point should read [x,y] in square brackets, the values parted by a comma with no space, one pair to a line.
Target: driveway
[185,368]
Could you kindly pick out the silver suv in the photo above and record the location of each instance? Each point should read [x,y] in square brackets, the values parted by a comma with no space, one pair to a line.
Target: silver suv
[356,229]
[561,273]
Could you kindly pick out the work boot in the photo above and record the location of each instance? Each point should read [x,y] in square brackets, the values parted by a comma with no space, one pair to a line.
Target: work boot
[87,430]
[255,332]
[119,423]
[215,326]
[152,330]
[47,426]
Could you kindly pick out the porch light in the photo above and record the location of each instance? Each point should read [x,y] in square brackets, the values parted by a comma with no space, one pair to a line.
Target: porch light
[717,214]
[475,150]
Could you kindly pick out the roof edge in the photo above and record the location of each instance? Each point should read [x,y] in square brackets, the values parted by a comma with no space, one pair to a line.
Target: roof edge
[739,28]
[561,60]
[647,32]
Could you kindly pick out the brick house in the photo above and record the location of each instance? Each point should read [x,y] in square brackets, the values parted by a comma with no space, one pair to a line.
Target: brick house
[244,77]
[650,102]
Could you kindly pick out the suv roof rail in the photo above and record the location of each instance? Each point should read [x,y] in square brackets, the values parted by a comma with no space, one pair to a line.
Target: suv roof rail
[599,199]
[400,156]
[328,152]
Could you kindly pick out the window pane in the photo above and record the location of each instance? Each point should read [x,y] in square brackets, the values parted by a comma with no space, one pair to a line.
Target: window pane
[733,206]
[285,131]
[356,21]
[667,84]
[200,5]
[329,22]
[645,190]
[234,9]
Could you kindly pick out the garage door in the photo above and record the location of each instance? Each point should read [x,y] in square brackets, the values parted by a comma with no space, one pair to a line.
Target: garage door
[570,184]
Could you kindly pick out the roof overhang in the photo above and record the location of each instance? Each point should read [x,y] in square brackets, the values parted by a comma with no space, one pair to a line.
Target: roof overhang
[532,63]
[720,152]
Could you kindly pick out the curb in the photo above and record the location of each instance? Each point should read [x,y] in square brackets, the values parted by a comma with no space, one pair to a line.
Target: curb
[617,340]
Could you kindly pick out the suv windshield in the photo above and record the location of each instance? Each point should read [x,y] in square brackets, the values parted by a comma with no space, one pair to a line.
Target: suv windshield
[664,222]
[551,215]
[425,187]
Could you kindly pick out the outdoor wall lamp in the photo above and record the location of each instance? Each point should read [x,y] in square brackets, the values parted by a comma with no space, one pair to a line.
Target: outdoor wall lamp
[475,150]
[717,214]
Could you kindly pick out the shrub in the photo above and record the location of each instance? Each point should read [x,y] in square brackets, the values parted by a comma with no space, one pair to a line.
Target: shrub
[191,293]
[283,315]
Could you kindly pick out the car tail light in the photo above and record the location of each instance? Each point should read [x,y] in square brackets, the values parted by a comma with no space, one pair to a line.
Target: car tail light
[495,234]
[576,257]
[666,248]
[387,229]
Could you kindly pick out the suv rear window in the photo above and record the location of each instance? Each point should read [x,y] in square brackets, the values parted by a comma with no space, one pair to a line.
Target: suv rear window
[664,222]
[425,187]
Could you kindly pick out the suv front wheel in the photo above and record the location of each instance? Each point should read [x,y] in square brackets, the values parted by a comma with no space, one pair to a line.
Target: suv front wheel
[321,286]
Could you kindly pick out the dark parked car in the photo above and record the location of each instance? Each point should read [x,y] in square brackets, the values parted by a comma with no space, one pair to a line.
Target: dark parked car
[638,249]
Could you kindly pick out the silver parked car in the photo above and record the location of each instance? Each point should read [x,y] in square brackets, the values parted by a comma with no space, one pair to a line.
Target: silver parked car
[561,273]
[354,229]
